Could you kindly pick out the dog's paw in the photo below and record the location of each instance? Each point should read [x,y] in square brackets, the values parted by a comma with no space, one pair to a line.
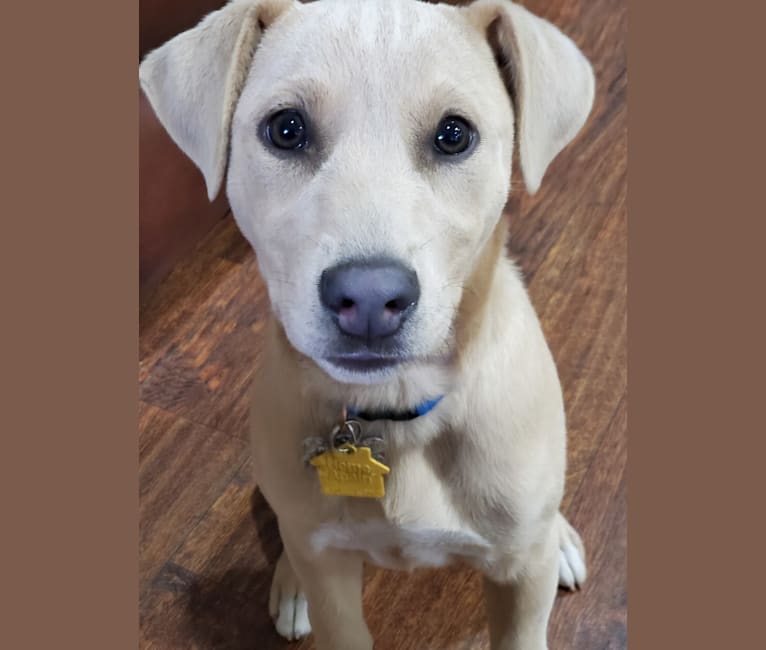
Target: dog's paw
[572,572]
[287,604]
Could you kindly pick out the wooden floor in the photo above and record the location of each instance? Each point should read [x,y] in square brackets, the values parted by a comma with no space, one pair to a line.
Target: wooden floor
[208,542]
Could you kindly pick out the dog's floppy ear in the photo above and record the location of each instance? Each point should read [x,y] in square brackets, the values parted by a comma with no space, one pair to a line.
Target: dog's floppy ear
[550,81]
[194,80]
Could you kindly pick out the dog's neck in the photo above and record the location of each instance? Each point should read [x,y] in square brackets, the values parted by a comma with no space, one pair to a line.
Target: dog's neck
[419,382]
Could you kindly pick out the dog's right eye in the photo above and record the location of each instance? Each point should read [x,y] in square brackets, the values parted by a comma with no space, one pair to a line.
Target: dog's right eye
[453,136]
[287,130]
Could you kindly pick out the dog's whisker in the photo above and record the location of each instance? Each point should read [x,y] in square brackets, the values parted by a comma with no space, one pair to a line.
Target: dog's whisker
[420,247]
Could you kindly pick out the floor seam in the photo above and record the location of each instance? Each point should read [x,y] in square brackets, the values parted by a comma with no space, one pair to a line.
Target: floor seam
[195,422]
[195,525]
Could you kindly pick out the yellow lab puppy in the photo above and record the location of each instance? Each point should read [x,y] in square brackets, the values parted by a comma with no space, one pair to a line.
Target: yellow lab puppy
[407,410]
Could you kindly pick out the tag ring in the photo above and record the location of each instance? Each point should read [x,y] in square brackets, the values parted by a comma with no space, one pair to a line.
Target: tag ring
[346,434]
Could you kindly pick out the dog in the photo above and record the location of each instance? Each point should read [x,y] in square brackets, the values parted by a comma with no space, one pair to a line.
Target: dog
[367,150]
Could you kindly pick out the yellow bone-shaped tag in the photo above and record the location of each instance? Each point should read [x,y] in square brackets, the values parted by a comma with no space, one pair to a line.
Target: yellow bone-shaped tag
[350,472]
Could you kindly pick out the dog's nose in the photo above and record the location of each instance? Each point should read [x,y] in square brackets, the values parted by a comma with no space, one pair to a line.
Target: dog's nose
[369,299]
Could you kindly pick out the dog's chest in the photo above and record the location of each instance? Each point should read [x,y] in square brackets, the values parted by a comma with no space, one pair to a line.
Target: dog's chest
[417,524]
[403,546]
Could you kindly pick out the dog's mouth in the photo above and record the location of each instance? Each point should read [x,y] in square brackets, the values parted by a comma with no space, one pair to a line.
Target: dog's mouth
[365,362]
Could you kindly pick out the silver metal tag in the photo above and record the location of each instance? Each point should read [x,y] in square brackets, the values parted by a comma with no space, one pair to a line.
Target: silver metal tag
[350,432]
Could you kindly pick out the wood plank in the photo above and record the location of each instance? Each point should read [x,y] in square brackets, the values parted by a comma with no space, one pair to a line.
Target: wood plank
[596,617]
[582,310]
[182,469]
[213,592]
[439,608]
[200,343]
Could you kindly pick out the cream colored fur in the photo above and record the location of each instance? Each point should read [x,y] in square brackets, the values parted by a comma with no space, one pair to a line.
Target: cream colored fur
[480,478]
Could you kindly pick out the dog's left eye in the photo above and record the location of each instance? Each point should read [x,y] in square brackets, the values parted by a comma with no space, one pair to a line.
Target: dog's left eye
[453,136]
[287,130]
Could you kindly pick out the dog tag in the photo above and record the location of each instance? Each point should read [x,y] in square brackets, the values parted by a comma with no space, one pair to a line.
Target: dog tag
[350,471]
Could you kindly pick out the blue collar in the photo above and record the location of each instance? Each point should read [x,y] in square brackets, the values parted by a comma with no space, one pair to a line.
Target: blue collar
[424,408]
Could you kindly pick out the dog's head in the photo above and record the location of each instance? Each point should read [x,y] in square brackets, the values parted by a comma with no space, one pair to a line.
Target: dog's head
[368,147]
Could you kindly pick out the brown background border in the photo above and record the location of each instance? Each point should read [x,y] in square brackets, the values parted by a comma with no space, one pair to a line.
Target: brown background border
[69,246]
[69,326]
[696,232]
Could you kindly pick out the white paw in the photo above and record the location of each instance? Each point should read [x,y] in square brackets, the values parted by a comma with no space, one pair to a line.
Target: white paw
[572,572]
[287,604]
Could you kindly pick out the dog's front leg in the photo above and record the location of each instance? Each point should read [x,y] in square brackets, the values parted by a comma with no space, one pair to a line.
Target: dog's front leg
[332,583]
[519,607]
